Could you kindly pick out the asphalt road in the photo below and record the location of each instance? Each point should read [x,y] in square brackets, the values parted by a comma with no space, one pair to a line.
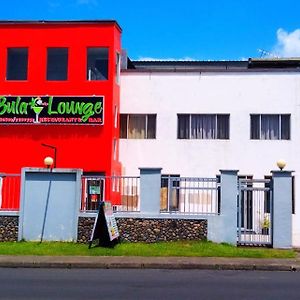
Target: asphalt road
[147,284]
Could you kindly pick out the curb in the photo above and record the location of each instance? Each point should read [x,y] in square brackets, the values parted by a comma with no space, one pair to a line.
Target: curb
[152,265]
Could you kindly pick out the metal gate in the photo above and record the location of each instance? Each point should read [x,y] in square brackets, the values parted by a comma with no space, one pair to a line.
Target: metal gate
[255,215]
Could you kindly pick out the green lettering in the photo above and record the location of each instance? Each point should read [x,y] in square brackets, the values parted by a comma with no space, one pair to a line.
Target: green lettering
[98,107]
[3,106]
[50,111]
[61,108]
[23,108]
[17,104]
[87,111]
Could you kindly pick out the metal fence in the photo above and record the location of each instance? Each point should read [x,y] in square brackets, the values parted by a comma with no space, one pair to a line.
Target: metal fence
[122,191]
[190,195]
[255,203]
[10,191]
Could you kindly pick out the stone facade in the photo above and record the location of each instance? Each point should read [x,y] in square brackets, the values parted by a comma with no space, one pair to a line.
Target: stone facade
[9,228]
[150,230]
[85,227]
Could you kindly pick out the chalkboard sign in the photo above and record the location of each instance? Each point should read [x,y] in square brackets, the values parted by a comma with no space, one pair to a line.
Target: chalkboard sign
[105,231]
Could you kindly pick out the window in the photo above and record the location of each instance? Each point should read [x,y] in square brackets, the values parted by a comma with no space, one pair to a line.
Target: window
[17,64]
[138,126]
[116,116]
[270,127]
[203,126]
[57,63]
[118,67]
[97,63]
[115,149]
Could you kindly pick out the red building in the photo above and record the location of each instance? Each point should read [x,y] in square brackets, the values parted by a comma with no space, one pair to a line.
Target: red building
[59,86]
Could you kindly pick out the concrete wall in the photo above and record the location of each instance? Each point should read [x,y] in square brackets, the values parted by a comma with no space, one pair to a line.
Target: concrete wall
[238,94]
[50,201]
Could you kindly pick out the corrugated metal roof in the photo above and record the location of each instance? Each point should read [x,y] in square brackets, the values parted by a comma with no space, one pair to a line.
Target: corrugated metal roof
[216,66]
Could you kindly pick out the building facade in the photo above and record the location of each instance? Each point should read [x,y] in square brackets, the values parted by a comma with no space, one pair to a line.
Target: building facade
[59,87]
[62,94]
[207,116]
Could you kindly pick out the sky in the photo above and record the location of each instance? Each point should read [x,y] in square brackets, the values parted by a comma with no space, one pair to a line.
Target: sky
[182,30]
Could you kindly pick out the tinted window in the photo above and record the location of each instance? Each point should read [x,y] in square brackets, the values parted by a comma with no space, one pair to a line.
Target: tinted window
[97,63]
[57,63]
[17,63]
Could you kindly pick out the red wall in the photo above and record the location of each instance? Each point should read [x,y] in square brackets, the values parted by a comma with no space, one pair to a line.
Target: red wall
[89,147]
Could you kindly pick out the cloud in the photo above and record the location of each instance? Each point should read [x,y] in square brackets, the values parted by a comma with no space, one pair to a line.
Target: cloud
[288,43]
[166,59]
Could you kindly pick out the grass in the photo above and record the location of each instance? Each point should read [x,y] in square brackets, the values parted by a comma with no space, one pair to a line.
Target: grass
[180,248]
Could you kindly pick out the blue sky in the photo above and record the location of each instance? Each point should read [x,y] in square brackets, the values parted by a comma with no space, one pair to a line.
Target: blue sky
[190,29]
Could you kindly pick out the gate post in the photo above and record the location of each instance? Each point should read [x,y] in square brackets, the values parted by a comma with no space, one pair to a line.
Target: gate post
[282,209]
[223,228]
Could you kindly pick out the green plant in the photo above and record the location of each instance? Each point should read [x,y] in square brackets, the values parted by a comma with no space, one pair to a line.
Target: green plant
[266,223]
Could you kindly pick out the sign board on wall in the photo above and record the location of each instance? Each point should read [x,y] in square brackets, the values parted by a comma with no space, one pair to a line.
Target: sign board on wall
[85,110]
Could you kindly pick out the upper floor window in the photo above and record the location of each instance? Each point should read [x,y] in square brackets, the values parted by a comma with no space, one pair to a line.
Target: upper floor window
[203,126]
[57,63]
[97,63]
[138,126]
[270,127]
[17,64]
[118,67]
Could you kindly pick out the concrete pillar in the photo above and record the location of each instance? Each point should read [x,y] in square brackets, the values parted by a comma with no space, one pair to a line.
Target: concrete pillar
[223,228]
[150,184]
[282,209]
[229,191]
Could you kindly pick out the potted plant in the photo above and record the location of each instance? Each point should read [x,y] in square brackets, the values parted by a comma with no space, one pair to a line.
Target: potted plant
[265,226]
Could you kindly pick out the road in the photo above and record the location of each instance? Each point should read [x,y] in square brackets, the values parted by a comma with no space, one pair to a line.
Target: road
[147,284]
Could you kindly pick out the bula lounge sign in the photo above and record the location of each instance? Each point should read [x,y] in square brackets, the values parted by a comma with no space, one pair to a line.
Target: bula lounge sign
[51,110]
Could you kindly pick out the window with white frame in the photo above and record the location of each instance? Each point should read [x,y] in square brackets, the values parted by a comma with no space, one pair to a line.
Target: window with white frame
[115,149]
[116,116]
[270,126]
[118,67]
[137,126]
[203,126]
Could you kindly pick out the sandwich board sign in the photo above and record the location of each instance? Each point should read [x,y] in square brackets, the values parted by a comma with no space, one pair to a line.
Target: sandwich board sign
[105,229]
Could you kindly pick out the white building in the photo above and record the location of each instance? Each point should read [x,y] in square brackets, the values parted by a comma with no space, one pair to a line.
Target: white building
[195,118]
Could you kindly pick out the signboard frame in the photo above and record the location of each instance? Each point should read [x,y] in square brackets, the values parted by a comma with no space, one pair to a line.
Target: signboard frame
[24,112]
[105,230]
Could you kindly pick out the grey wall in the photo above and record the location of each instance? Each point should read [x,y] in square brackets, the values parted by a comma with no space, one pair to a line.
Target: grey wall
[50,201]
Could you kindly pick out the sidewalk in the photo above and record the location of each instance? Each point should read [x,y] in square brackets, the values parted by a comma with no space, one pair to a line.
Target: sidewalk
[112,262]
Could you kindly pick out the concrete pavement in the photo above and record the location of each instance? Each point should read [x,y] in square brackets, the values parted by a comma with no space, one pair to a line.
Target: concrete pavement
[113,262]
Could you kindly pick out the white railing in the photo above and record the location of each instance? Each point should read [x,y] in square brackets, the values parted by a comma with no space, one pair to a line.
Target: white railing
[122,191]
[189,195]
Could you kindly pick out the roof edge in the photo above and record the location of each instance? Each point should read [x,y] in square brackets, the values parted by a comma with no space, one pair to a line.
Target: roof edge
[33,22]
